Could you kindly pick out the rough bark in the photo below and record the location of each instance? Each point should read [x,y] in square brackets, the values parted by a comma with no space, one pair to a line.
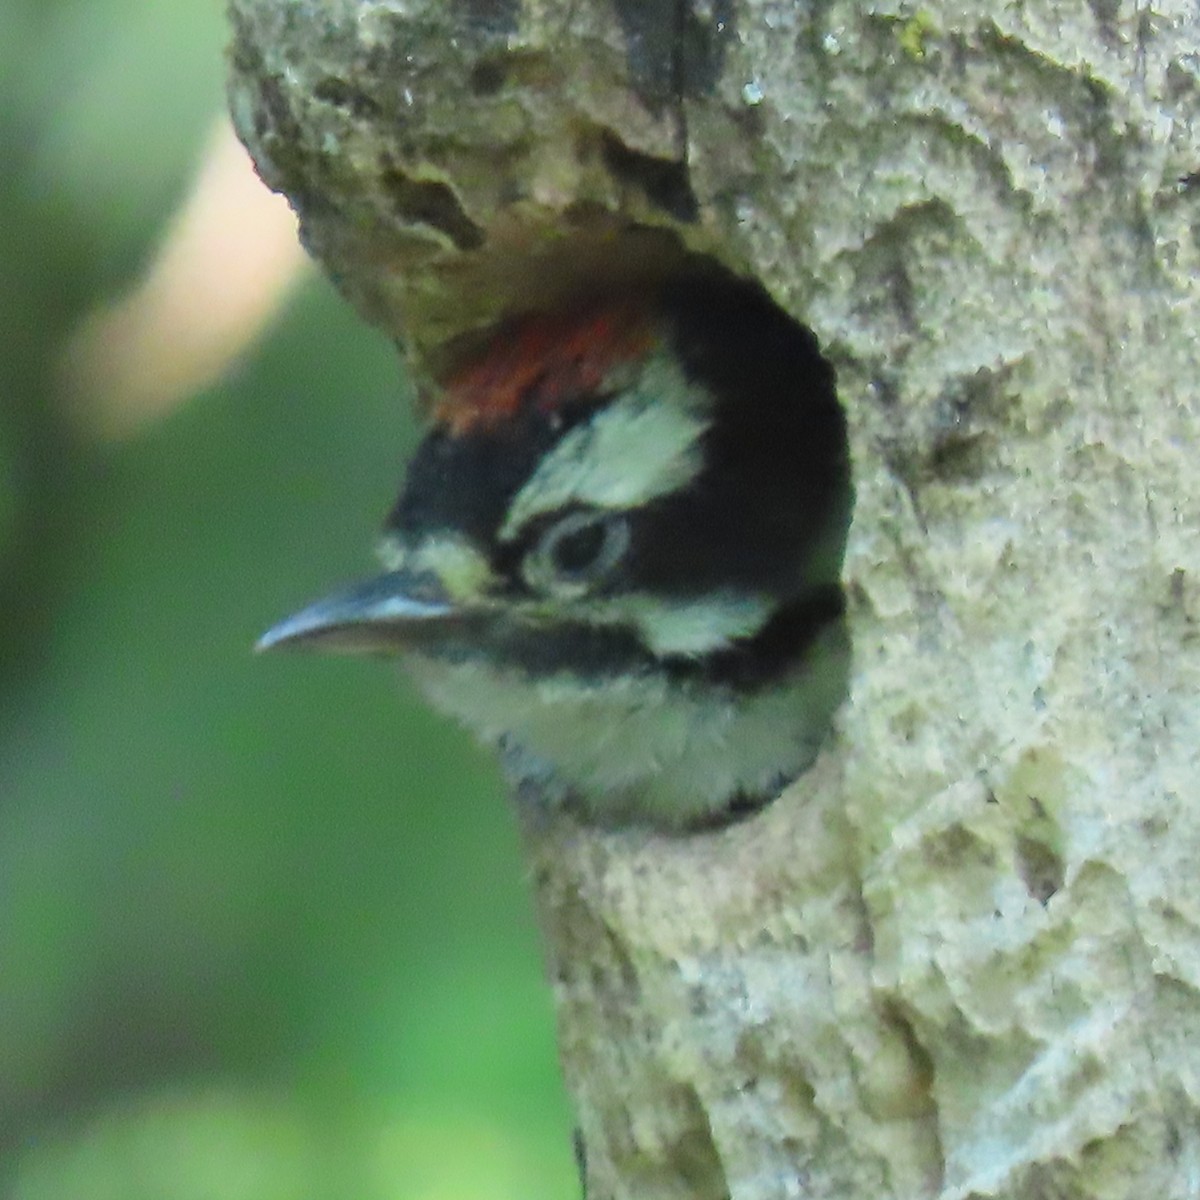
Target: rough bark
[960,957]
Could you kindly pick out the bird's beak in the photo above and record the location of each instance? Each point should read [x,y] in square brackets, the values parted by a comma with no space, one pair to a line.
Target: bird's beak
[382,615]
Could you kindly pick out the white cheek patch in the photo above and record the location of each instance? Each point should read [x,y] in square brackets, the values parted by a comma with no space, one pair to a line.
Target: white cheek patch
[645,444]
[690,629]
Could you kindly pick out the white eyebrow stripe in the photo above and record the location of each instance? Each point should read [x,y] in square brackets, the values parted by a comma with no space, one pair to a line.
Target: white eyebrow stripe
[645,444]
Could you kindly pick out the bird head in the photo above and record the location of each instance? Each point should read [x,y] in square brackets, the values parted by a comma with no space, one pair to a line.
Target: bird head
[622,537]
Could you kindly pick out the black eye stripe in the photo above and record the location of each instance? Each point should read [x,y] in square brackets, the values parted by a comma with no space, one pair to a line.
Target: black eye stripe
[605,652]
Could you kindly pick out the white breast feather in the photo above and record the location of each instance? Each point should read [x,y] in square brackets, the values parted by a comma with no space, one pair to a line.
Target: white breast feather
[646,746]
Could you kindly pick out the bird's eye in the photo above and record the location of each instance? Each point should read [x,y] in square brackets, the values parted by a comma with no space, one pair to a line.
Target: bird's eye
[577,552]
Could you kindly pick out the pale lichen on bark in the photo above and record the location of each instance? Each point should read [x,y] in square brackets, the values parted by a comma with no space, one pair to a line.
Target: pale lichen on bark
[960,957]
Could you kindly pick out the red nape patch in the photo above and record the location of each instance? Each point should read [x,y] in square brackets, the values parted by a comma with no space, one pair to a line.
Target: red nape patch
[543,360]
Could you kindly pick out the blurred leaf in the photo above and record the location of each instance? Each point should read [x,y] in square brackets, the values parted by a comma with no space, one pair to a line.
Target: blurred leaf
[183,1146]
[121,92]
[281,876]
[9,498]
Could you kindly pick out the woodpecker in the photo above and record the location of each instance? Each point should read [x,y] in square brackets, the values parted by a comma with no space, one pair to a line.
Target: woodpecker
[616,556]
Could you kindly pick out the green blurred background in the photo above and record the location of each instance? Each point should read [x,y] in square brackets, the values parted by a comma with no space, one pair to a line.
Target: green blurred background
[263,927]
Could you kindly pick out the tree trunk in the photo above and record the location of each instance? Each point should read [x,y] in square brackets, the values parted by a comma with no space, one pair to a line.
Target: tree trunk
[960,956]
